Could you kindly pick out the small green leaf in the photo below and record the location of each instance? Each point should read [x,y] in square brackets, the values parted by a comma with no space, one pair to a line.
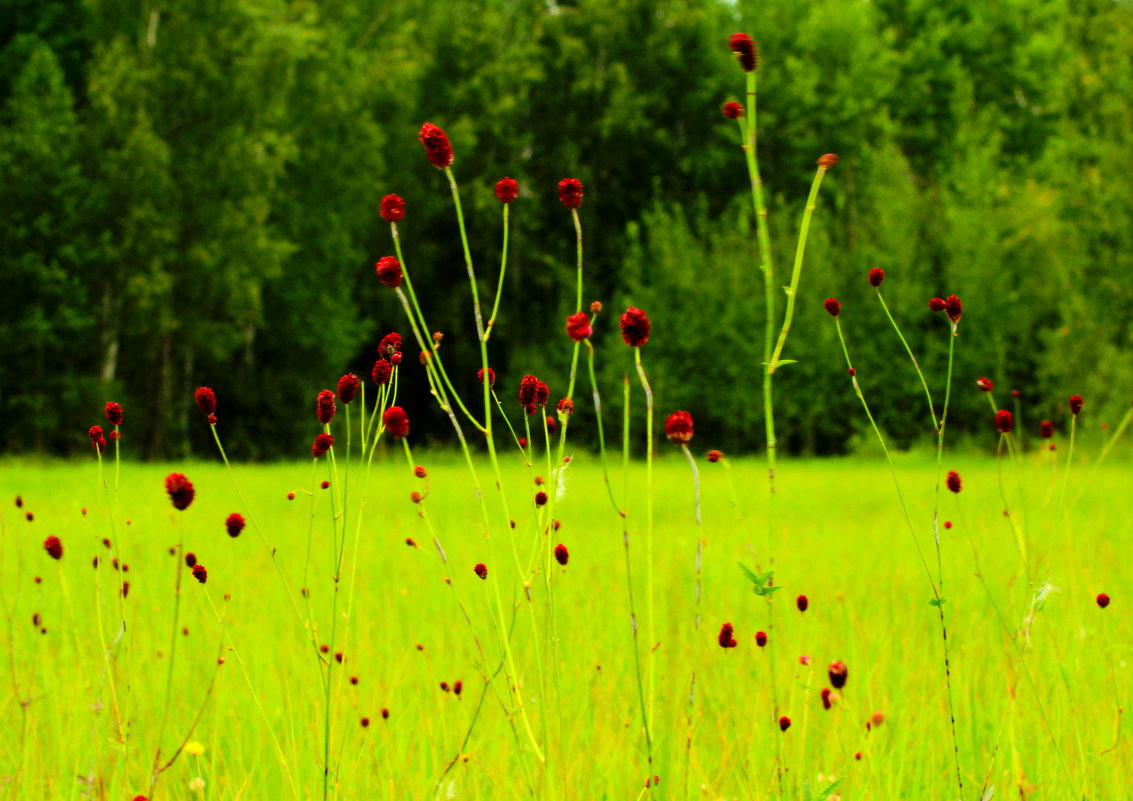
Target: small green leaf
[937,601]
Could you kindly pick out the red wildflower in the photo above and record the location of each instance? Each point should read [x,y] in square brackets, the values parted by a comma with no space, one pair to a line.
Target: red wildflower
[491,376]
[322,444]
[947,524]
[365,721]
[985,384]
[715,456]
[1015,393]
[457,687]
[747,53]
[827,698]
[437,147]
[506,190]
[838,674]
[385,713]
[325,485]
[533,393]
[392,208]
[53,547]
[732,110]
[566,406]
[953,308]
[570,192]
[635,327]
[389,271]
[324,406]
[562,555]
[19,502]
[725,637]
[420,471]
[761,638]
[784,723]
[381,372]
[827,161]
[578,327]
[481,570]
[114,413]
[190,559]
[952,480]
[1046,429]
[206,401]
[1004,421]
[1076,404]
[96,438]
[396,422]
[678,427]
[234,524]
[832,306]
[936,304]
[347,387]
[1103,599]
[802,603]
[595,306]
[876,276]
[180,490]
[552,424]
[200,574]
[540,498]
[113,436]
[291,496]
[390,344]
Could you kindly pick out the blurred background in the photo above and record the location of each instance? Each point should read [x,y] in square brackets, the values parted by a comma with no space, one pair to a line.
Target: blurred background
[189,194]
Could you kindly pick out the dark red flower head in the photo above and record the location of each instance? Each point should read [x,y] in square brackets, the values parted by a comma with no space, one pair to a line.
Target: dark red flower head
[784,723]
[396,422]
[732,110]
[1103,599]
[570,192]
[953,308]
[437,147]
[562,555]
[747,53]
[200,574]
[389,271]
[114,413]
[540,498]
[936,304]
[578,327]
[381,372]
[190,559]
[1076,404]
[234,524]
[828,160]
[180,490]
[491,376]
[678,427]
[389,345]
[322,444]
[392,208]
[206,400]
[952,480]
[985,384]
[715,456]
[53,547]
[1004,421]
[1046,429]
[533,393]
[506,190]
[481,570]
[566,406]
[832,306]
[635,327]
[324,406]
[827,701]
[96,438]
[725,637]
[876,276]
[802,603]
[761,638]
[347,387]
[838,674]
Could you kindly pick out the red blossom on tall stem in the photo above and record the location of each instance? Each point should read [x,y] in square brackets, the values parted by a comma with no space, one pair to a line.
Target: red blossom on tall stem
[180,490]
[96,438]
[114,413]
[827,161]
[54,547]
[936,304]
[1046,429]
[1004,421]
[985,384]
[726,636]
[347,387]
[200,574]
[389,345]
[381,372]
[678,427]
[1102,599]
[570,192]
[732,110]
[533,393]
[578,327]
[481,570]
[388,270]
[206,401]
[838,673]
[491,376]
[746,51]
[952,480]
[324,406]
[562,555]
[832,306]
[1076,403]
[234,524]
[392,208]
[437,147]
[506,190]
[953,308]
[396,422]
[876,276]
[321,444]
[635,327]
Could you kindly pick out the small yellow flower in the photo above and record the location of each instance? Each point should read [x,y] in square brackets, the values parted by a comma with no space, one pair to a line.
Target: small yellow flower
[194,748]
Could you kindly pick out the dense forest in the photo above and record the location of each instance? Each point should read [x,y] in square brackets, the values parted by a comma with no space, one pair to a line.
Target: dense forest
[189,194]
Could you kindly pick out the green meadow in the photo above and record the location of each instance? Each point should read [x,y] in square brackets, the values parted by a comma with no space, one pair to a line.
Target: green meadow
[1039,671]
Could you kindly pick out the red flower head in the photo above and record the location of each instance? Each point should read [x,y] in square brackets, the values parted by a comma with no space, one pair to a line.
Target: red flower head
[732,110]
[53,547]
[200,574]
[784,723]
[761,638]
[190,559]
[1046,429]
[1015,393]
[392,208]
[1004,421]
[562,555]
[390,344]
[491,376]
[533,393]
[1076,404]
[180,490]
[552,424]
[389,271]
[715,456]
[96,438]
[570,192]
[635,327]
[578,327]
[347,387]
[838,674]
[481,570]
[832,306]
[953,308]
[540,498]
[595,306]
[506,190]
[396,422]
[114,413]
[381,372]
[322,444]
[746,51]
[828,160]
[725,637]
[952,480]
[678,427]
[1103,599]
[324,406]
[876,276]
[566,406]
[234,524]
[827,699]
[985,384]
[802,603]
[936,304]
[437,147]
[206,400]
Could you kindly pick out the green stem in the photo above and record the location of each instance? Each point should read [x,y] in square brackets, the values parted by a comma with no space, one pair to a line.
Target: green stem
[500,285]
[652,643]
[916,366]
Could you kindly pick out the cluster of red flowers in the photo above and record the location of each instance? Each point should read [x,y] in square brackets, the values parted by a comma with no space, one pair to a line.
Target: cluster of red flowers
[491,376]
[200,574]
[381,372]
[985,384]
[533,394]
[726,636]
[97,439]
[206,401]
[481,570]
[54,547]
[732,110]
[950,305]
[745,50]
[838,673]
[832,306]
[876,276]
[1076,404]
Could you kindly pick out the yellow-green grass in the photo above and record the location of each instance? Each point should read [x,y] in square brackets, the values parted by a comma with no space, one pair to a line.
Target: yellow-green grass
[840,538]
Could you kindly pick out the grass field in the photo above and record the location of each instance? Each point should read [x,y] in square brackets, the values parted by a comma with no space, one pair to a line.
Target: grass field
[1040,728]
